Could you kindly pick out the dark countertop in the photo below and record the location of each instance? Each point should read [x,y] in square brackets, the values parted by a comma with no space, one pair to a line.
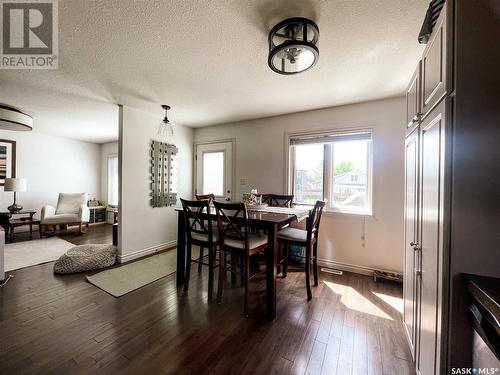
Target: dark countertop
[486,290]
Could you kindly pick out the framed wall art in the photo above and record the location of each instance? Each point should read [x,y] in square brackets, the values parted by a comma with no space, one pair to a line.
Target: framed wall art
[7,160]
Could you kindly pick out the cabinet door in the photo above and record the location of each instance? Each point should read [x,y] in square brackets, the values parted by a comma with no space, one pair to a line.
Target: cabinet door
[434,63]
[413,96]
[429,273]
[411,235]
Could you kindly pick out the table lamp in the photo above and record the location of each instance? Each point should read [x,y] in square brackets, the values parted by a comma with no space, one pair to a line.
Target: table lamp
[15,185]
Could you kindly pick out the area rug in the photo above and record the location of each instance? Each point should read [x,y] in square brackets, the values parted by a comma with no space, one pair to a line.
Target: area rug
[128,277]
[30,253]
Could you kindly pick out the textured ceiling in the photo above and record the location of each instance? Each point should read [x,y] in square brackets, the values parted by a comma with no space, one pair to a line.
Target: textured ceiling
[208,60]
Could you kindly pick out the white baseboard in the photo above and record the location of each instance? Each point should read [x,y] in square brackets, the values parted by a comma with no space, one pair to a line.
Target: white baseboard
[147,251]
[348,267]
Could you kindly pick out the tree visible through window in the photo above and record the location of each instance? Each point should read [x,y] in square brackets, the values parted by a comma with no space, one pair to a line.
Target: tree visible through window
[335,167]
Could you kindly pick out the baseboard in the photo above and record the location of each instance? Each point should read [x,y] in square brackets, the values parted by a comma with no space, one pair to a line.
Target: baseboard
[363,270]
[147,251]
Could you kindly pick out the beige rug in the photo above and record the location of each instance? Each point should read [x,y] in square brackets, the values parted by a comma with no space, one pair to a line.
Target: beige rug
[30,253]
[134,275]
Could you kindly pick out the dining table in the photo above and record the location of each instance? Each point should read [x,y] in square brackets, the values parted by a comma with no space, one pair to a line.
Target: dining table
[271,220]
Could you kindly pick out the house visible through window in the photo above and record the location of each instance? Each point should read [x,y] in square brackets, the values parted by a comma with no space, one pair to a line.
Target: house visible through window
[113,180]
[335,167]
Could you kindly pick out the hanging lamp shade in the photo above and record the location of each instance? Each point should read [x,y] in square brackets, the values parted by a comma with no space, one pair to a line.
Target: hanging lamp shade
[12,118]
[166,129]
[293,46]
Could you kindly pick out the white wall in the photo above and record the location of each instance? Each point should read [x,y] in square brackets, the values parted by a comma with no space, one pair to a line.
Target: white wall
[52,165]
[144,229]
[107,149]
[260,160]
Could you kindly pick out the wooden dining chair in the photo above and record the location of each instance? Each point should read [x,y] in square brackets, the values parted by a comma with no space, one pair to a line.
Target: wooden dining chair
[210,198]
[205,197]
[304,238]
[265,198]
[235,238]
[199,232]
[278,200]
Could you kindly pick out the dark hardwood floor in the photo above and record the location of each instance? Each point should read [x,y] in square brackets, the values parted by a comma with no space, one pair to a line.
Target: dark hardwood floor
[64,325]
[96,234]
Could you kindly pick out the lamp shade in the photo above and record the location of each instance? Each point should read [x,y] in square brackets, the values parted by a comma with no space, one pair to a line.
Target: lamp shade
[12,118]
[15,184]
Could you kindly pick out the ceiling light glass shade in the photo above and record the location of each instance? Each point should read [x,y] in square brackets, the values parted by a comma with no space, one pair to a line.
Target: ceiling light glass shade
[293,46]
[12,118]
[165,129]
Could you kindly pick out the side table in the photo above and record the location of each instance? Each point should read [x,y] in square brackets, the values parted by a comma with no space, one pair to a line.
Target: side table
[10,221]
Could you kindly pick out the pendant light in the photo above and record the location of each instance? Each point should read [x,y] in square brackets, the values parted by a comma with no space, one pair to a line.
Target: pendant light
[293,46]
[12,118]
[165,129]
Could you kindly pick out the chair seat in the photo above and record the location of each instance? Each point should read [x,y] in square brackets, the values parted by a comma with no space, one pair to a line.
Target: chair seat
[292,234]
[204,236]
[61,219]
[254,240]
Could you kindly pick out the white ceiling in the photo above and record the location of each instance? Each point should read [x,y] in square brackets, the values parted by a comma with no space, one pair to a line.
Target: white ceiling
[208,60]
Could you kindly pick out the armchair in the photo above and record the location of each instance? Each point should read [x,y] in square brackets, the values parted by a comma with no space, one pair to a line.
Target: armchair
[71,210]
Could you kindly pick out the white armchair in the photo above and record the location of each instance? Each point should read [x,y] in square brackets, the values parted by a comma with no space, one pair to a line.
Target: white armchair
[71,210]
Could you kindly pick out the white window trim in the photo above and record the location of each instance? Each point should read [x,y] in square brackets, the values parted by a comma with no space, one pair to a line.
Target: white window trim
[329,210]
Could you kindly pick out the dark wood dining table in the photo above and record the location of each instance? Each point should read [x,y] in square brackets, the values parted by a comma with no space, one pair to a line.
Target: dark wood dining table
[271,222]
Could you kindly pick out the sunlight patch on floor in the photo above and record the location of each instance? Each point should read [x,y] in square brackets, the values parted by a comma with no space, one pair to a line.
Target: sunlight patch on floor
[354,300]
[395,302]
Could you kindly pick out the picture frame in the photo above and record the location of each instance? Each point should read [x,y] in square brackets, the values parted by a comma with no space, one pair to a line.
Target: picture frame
[7,160]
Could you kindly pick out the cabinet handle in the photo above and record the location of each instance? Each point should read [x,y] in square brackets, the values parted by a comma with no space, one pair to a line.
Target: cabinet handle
[417,117]
[416,246]
[418,273]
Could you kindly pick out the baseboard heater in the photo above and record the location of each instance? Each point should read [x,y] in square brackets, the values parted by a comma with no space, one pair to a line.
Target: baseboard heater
[331,270]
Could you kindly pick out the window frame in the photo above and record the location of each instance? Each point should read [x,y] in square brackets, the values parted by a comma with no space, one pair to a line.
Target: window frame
[328,162]
[108,177]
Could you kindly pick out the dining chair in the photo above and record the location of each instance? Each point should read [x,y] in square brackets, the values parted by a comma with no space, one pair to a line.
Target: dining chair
[235,238]
[304,238]
[210,198]
[265,198]
[205,197]
[199,232]
[278,200]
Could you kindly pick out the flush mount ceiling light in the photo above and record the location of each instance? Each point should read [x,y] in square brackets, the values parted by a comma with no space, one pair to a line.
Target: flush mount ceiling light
[12,118]
[165,129]
[292,45]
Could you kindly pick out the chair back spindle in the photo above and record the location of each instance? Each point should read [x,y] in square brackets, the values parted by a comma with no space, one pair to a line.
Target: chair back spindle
[196,219]
[232,222]
[314,219]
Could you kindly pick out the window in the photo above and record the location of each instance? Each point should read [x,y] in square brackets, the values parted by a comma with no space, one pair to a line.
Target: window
[335,167]
[213,173]
[113,180]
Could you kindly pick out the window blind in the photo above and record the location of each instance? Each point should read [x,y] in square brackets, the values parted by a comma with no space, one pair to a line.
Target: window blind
[330,137]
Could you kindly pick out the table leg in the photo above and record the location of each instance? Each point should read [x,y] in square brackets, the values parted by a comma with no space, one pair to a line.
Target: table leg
[181,249]
[31,226]
[271,271]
